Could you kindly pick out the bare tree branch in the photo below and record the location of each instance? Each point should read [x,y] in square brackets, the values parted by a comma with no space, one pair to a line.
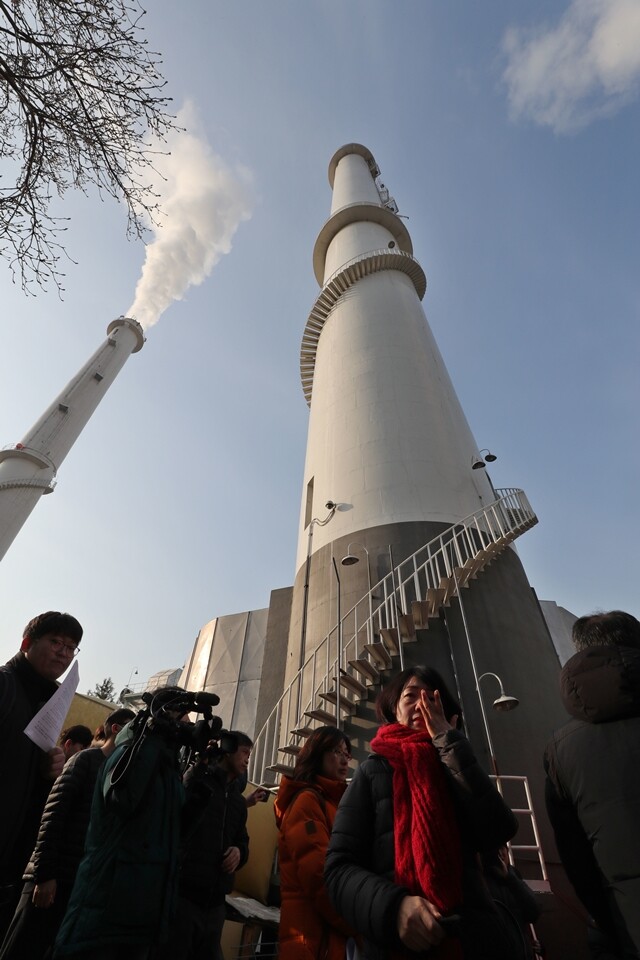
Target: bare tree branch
[81,100]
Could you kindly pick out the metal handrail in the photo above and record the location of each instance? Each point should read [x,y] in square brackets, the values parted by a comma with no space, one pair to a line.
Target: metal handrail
[367,255]
[463,543]
[332,289]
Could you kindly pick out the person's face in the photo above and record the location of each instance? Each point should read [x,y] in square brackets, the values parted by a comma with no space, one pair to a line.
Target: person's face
[238,763]
[407,712]
[51,654]
[335,763]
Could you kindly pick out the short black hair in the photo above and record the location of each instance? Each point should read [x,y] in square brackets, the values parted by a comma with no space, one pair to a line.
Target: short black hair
[388,698]
[77,734]
[121,716]
[242,739]
[606,629]
[53,622]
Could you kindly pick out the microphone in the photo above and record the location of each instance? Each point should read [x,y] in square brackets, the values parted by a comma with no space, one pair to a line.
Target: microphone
[203,699]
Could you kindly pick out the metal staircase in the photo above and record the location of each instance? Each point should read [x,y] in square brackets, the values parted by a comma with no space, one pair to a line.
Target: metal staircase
[358,652]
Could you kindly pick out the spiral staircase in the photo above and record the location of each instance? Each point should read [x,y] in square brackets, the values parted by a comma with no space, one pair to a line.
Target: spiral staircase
[355,658]
[368,644]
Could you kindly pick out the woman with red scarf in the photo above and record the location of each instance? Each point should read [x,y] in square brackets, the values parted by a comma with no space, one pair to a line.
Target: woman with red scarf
[402,866]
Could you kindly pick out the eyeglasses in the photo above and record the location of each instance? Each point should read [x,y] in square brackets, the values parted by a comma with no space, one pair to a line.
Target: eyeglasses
[338,752]
[71,649]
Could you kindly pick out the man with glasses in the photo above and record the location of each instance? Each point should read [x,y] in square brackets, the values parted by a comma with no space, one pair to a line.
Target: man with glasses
[49,644]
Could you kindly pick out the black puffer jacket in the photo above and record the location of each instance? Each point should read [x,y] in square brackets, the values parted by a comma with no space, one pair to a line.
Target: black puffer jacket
[359,870]
[22,693]
[593,787]
[63,828]
[214,818]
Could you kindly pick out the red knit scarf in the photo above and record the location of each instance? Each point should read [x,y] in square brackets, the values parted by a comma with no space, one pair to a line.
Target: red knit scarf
[428,854]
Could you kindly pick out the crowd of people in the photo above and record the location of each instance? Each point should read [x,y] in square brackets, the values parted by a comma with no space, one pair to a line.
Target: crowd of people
[129,844]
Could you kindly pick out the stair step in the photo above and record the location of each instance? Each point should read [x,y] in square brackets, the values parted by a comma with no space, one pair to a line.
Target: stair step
[322,716]
[366,669]
[293,749]
[407,627]
[462,574]
[420,614]
[303,731]
[390,637]
[353,684]
[380,655]
[474,566]
[435,599]
[279,768]
[448,586]
[346,705]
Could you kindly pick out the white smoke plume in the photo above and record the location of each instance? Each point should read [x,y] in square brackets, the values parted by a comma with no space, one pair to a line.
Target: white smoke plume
[202,203]
[586,66]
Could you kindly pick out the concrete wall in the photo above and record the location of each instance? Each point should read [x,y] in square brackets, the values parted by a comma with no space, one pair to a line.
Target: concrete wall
[275,652]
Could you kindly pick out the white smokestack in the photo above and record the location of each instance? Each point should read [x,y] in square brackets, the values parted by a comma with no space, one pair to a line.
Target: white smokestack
[28,469]
[202,202]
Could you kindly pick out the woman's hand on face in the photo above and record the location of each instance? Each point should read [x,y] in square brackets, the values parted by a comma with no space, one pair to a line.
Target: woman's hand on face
[418,926]
[433,714]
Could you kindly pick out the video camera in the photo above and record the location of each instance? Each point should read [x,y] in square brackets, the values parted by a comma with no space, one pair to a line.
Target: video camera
[167,707]
[163,717]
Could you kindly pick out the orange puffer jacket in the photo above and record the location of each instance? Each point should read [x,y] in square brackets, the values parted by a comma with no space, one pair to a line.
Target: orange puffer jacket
[310,929]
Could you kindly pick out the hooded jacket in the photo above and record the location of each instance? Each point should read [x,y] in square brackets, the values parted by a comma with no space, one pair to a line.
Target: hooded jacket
[310,928]
[593,787]
[125,886]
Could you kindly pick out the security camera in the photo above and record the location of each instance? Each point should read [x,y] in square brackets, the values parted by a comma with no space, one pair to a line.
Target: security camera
[330,505]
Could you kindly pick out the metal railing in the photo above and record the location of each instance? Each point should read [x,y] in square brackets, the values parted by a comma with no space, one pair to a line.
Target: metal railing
[466,547]
[524,811]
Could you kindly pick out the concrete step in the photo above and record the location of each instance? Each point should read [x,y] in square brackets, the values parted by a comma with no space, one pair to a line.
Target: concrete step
[420,614]
[280,768]
[366,669]
[353,685]
[346,705]
[322,716]
[380,655]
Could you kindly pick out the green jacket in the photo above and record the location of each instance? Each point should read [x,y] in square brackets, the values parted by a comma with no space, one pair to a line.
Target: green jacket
[125,887]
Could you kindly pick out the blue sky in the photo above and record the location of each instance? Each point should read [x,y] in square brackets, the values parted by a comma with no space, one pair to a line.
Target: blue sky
[509,135]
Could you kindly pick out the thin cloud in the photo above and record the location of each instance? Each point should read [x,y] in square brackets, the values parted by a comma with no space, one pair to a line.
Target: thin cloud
[202,203]
[585,67]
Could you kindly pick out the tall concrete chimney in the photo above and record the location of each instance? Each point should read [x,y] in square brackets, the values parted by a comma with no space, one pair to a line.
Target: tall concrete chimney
[388,440]
[28,469]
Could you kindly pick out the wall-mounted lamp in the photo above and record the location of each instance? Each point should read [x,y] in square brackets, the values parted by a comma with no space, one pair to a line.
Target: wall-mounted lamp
[477,463]
[504,702]
[351,559]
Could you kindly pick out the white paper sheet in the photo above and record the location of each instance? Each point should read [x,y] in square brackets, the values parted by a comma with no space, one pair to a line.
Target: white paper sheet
[46,726]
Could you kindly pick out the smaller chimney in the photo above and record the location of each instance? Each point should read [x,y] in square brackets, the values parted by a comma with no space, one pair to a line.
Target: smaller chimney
[28,469]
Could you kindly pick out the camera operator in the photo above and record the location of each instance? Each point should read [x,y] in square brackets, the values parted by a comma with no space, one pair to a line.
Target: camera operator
[124,892]
[215,844]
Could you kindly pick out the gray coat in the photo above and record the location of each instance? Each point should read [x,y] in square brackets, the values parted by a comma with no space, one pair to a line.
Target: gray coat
[593,788]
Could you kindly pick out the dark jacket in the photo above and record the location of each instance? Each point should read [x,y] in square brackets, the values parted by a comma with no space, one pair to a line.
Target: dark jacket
[214,818]
[593,787]
[22,693]
[63,828]
[515,902]
[124,893]
[359,871]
